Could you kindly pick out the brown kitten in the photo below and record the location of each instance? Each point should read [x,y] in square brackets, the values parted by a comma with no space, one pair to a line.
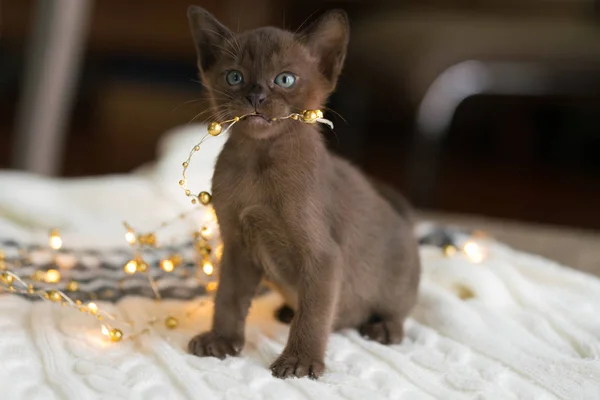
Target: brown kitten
[339,248]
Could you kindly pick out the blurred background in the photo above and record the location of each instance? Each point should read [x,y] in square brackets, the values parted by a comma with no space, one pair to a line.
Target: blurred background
[489,107]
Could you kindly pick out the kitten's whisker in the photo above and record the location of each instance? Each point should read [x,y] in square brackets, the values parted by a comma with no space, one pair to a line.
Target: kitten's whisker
[217,116]
[187,102]
[216,111]
[336,113]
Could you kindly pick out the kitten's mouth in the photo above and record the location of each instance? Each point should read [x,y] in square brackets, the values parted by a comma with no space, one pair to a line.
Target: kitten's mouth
[258,120]
[259,116]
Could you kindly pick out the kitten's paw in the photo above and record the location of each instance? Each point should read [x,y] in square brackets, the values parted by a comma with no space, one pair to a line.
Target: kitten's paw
[284,314]
[291,365]
[384,332]
[209,344]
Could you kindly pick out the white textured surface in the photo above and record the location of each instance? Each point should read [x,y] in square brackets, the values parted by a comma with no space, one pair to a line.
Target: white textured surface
[532,331]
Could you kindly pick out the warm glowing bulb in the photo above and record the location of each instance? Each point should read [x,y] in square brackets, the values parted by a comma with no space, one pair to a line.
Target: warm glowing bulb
[171,322]
[211,286]
[7,278]
[105,331]
[167,265]
[54,296]
[130,237]
[208,268]
[206,232]
[55,240]
[52,276]
[115,335]
[473,251]
[131,267]
[72,286]
[449,250]
[93,308]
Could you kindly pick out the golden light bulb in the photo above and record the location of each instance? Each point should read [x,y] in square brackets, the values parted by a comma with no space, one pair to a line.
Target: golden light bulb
[115,335]
[72,286]
[449,250]
[7,279]
[205,198]
[208,268]
[206,232]
[38,276]
[310,116]
[105,331]
[211,286]
[54,296]
[130,237]
[131,267]
[214,128]
[474,252]
[171,322]
[204,249]
[55,240]
[167,265]
[93,308]
[52,276]
[142,267]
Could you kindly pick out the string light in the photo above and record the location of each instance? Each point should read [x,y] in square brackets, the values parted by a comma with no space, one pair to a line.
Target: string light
[93,308]
[52,276]
[167,265]
[130,236]
[474,252]
[148,241]
[208,268]
[55,239]
[216,128]
[142,267]
[206,232]
[131,267]
[449,250]
[171,322]
[72,286]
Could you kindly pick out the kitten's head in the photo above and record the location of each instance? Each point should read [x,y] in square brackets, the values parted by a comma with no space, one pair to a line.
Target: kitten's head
[268,70]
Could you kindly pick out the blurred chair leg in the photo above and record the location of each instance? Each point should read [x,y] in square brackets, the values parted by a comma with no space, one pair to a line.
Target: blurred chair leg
[54,56]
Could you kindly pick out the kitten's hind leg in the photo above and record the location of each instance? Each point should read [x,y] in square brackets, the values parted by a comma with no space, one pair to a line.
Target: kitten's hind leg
[384,331]
[284,314]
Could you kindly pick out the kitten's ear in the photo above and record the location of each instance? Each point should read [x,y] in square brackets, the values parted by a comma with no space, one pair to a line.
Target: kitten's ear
[327,39]
[209,35]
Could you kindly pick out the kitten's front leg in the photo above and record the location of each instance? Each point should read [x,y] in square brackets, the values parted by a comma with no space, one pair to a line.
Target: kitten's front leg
[317,299]
[238,282]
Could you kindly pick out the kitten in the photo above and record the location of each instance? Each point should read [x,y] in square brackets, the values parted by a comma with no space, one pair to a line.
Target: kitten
[339,247]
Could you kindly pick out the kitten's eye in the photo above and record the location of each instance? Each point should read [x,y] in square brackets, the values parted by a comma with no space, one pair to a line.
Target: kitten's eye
[234,77]
[285,80]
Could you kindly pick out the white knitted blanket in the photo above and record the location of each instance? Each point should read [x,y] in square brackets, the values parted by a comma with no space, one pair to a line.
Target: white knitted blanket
[531,331]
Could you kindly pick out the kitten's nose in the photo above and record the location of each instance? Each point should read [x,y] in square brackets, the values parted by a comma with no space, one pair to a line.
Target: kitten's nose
[256,99]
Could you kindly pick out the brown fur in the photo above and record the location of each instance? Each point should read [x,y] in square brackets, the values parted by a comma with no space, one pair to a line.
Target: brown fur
[338,247]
